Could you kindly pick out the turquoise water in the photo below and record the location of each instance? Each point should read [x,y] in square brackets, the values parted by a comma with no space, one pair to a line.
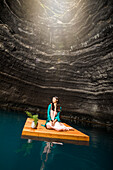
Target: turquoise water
[21,154]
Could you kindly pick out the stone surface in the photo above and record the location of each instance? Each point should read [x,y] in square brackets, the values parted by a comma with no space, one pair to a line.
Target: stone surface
[62,48]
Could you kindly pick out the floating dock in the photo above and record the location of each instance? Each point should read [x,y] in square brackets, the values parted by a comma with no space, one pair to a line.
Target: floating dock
[41,133]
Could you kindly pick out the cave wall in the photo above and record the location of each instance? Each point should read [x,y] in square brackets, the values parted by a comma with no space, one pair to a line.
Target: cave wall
[62,48]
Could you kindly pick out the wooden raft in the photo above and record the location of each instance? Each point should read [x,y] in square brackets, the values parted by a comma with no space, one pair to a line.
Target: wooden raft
[42,132]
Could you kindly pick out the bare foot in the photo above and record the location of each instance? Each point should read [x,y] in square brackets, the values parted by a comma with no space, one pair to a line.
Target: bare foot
[70,128]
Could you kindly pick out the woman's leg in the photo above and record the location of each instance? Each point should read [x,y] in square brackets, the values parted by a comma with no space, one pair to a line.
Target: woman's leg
[61,127]
[55,127]
[49,126]
[58,126]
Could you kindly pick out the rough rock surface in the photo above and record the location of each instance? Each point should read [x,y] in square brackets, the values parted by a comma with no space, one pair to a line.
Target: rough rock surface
[62,48]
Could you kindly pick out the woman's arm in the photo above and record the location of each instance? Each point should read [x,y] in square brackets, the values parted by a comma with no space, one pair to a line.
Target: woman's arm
[57,117]
[48,113]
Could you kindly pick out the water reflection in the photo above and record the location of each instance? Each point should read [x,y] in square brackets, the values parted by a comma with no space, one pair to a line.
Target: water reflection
[26,148]
[47,152]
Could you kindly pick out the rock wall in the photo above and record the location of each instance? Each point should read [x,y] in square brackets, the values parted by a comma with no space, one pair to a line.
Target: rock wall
[62,48]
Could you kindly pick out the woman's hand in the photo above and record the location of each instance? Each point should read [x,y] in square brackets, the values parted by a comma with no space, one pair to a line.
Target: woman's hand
[51,123]
[54,122]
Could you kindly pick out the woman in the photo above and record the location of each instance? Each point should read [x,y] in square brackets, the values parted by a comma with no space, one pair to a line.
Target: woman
[53,116]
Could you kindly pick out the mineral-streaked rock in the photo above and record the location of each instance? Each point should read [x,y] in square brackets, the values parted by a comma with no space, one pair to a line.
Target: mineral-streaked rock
[62,48]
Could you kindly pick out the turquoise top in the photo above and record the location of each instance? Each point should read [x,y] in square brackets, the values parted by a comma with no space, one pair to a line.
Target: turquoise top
[49,117]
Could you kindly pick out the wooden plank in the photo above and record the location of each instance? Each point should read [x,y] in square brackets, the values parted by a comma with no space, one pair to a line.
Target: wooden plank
[42,132]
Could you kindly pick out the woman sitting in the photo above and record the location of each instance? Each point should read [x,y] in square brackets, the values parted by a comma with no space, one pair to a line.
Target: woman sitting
[53,116]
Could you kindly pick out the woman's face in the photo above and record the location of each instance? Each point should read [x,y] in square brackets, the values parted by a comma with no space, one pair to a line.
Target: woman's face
[54,100]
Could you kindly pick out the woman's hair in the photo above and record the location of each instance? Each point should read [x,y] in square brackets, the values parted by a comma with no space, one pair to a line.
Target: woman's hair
[58,106]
